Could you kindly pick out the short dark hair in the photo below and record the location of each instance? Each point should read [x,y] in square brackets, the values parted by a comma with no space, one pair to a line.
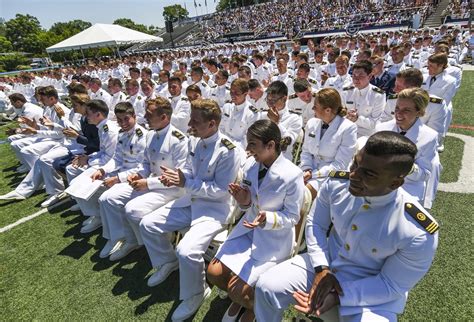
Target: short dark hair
[305,67]
[98,106]
[17,97]
[266,131]
[363,64]
[301,85]
[50,91]
[124,107]
[398,148]
[163,106]
[115,82]
[412,77]
[254,84]
[277,88]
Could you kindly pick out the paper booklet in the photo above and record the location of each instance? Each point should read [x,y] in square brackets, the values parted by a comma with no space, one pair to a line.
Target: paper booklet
[84,187]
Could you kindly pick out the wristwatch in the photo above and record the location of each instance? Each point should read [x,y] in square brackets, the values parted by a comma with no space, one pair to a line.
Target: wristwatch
[320,268]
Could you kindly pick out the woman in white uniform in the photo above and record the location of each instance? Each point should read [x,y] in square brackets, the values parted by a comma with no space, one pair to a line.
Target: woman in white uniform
[329,142]
[271,194]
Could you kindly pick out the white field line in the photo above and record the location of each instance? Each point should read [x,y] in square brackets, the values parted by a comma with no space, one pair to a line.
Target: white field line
[30,217]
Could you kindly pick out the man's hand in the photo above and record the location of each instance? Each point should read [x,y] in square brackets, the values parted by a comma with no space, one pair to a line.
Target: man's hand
[139,185]
[47,122]
[240,194]
[259,221]
[70,133]
[28,122]
[324,77]
[59,111]
[172,177]
[273,115]
[12,131]
[28,130]
[302,300]
[307,175]
[80,161]
[324,283]
[133,177]
[352,115]
[109,182]
[98,175]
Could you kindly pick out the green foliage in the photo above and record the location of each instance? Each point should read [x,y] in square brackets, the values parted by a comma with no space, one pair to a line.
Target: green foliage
[129,23]
[175,12]
[228,4]
[11,61]
[68,29]
[22,32]
[5,45]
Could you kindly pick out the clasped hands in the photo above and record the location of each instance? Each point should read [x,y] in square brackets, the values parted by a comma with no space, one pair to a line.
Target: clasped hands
[243,198]
[323,296]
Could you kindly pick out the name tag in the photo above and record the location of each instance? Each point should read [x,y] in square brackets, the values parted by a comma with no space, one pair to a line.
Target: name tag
[248,183]
[192,153]
[312,135]
[350,102]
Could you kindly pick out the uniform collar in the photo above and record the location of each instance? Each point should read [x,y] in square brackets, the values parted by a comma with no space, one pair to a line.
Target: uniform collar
[212,139]
[102,124]
[163,130]
[240,107]
[380,201]
[363,91]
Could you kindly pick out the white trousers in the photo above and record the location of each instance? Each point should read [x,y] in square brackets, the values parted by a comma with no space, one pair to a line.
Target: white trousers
[19,141]
[275,288]
[154,229]
[43,172]
[89,208]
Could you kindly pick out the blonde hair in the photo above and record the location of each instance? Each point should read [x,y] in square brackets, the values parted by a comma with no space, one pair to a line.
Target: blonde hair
[80,98]
[330,98]
[209,109]
[418,96]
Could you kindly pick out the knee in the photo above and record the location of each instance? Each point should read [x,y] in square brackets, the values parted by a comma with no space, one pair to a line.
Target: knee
[146,225]
[133,212]
[215,273]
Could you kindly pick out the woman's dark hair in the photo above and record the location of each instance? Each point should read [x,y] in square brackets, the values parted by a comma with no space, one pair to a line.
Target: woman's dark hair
[266,131]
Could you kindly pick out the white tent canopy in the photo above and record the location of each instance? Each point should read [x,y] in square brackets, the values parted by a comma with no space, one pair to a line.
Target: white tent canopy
[103,35]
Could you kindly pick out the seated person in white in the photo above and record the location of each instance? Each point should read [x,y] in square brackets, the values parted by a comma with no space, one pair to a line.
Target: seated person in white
[330,140]
[411,105]
[369,243]
[271,194]
[212,164]
[124,205]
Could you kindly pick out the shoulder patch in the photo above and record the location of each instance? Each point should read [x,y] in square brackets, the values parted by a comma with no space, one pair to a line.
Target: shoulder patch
[312,81]
[339,174]
[426,222]
[378,90]
[178,134]
[204,84]
[229,145]
[228,101]
[106,128]
[215,86]
[184,99]
[139,133]
[436,100]
[348,88]
[265,67]
[294,112]
[227,88]
[392,96]
[292,96]
[253,108]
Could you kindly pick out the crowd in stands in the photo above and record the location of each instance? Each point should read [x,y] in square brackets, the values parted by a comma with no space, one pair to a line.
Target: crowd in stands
[457,9]
[290,17]
[186,139]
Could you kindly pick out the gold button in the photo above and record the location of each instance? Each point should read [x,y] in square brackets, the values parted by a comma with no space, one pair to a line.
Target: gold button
[354,227]
[347,247]
[374,250]
[366,206]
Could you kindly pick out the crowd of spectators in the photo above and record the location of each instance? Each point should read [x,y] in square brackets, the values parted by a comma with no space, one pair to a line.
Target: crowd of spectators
[457,9]
[289,18]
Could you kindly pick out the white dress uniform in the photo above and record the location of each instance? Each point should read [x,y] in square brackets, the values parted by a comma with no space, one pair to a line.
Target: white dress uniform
[161,89]
[456,72]
[262,73]
[369,103]
[108,132]
[426,140]
[338,82]
[236,119]
[122,208]
[212,164]
[205,89]
[102,95]
[260,104]
[435,114]
[325,150]
[280,193]
[114,100]
[394,69]
[138,102]
[301,108]
[29,110]
[378,248]
[444,86]
[28,90]
[220,94]
[287,79]
[181,112]
[317,69]
[290,125]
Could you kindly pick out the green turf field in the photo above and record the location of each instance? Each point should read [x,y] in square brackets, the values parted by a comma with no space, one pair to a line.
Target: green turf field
[49,271]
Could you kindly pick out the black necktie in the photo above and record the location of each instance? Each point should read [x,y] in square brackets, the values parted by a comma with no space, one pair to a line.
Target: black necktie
[262,173]
[325,126]
[432,80]
[403,133]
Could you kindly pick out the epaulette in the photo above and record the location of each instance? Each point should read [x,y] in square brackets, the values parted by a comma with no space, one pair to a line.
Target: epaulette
[378,90]
[226,115]
[294,112]
[313,81]
[106,128]
[291,76]
[436,100]
[128,97]
[204,84]
[339,174]
[229,145]
[253,108]
[276,74]
[178,134]
[425,221]
[228,101]
[213,86]
[392,96]
[314,94]
[139,133]
[184,99]
[458,66]
[265,67]
[139,97]
[101,93]
[411,66]
[292,96]
[323,62]
[348,88]
[227,88]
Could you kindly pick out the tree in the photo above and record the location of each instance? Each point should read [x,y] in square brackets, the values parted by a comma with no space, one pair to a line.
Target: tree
[5,45]
[11,61]
[175,12]
[21,31]
[68,29]
[129,23]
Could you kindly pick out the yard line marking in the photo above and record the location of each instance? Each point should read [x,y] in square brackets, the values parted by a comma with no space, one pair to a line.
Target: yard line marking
[28,218]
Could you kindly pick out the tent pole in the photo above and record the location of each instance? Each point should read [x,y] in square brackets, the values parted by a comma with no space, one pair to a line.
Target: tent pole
[82,54]
[118,52]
